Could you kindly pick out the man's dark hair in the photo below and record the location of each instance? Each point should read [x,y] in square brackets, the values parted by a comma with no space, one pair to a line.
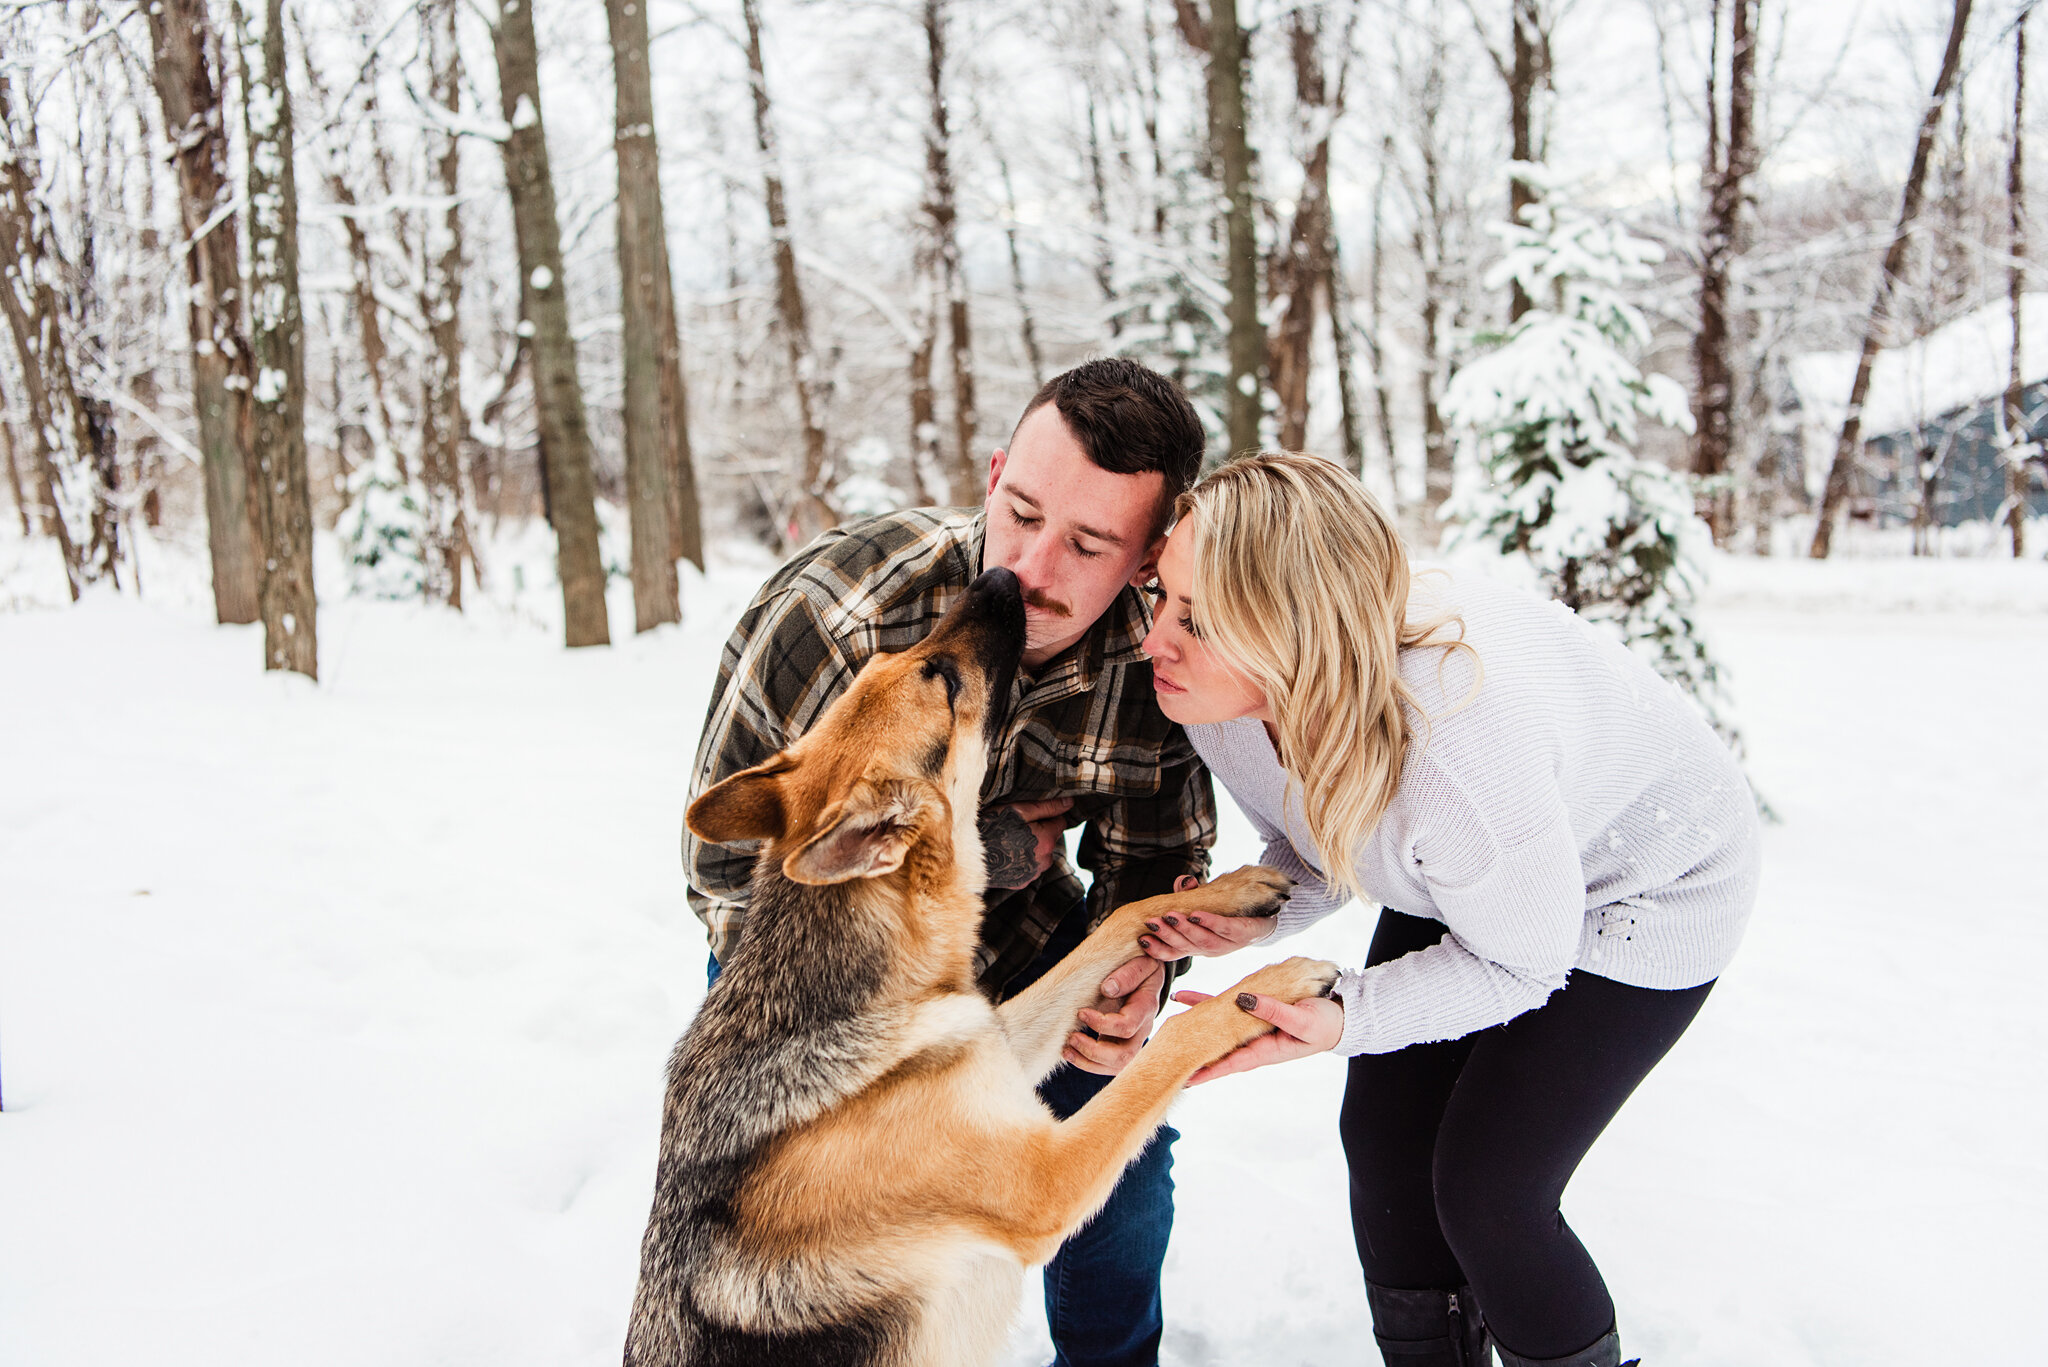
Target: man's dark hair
[1128,419]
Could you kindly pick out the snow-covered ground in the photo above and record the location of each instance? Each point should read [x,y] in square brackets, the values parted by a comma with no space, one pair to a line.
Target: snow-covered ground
[332,1018]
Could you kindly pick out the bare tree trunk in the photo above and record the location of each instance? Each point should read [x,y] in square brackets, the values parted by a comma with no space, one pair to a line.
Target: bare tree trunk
[278,489]
[1428,237]
[363,282]
[1530,71]
[13,469]
[1375,345]
[640,230]
[1098,205]
[444,426]
[927,459]
[810,512]
[685,509]
[962,471]
[1224,41]
[1027,325]
[188,84]
[1149,96]
[62,428]
[1303,264]
[2016,439]
[1850,443]
[558,394]
[1228,60]
[1339,290]
[1722,175]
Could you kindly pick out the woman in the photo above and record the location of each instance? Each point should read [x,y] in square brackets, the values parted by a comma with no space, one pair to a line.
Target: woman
[1565,852]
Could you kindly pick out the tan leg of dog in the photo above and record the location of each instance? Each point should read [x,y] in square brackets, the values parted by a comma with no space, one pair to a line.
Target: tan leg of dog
[1073,1165]
[1039,1018]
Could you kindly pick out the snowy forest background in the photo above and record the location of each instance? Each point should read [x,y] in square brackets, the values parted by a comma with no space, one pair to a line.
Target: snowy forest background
[400,345]
[382,252]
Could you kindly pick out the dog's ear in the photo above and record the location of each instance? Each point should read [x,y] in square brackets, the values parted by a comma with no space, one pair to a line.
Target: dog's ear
[865,836]
[746,806]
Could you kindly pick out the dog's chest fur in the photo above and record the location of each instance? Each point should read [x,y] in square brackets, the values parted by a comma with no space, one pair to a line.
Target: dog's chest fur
[804,1018]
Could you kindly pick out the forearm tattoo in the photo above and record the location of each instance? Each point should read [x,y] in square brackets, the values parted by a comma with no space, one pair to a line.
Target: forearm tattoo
[1009,848]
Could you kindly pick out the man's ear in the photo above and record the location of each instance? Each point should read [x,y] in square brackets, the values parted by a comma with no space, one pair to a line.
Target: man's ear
[996,462]
[863,837]
[1148,568]
[746,806]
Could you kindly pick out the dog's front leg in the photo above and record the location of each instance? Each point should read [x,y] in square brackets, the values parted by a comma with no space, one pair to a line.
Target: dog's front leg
[1068,1174]
[1039,1018]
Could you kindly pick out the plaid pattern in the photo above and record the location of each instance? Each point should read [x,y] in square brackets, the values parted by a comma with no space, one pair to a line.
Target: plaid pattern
[1086,728]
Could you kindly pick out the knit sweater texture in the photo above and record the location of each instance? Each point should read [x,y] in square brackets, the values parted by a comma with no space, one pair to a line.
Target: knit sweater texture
[1576,812]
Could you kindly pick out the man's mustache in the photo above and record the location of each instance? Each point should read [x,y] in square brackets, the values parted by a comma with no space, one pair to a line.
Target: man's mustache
[1036,598]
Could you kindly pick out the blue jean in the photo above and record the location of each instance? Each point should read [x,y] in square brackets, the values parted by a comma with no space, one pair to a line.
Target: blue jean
[1102,1288]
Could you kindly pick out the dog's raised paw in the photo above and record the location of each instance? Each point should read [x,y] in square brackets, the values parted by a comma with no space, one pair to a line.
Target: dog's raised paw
[1253,890]
[1291,980]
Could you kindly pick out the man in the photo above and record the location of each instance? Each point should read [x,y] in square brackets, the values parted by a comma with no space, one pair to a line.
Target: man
[1077,508]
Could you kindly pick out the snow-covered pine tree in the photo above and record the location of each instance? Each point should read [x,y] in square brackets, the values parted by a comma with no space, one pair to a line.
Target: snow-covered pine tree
[384,530]
[1546,427]
[1172,305]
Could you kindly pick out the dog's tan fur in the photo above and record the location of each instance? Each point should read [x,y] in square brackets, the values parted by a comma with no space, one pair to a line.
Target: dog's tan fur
[936,1175]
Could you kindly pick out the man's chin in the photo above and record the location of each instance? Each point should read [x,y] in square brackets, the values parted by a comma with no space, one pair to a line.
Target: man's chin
[1046,635]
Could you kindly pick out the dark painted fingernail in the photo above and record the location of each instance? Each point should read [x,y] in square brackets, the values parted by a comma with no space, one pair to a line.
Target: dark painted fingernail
[1246,1001]
[1152,926]
[1173,920]
[1194,919]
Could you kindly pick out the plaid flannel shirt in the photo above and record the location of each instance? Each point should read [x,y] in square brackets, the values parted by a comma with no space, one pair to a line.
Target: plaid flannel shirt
[1085,727]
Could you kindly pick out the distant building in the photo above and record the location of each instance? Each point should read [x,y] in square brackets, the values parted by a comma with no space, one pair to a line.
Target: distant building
[1935,400]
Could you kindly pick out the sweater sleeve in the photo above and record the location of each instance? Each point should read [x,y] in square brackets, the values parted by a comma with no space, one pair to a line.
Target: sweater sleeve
[1514,907]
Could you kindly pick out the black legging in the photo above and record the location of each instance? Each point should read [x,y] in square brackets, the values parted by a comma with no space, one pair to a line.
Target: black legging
[1459,1151]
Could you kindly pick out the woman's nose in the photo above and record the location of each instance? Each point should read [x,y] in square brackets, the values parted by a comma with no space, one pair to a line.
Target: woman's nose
[1155,645]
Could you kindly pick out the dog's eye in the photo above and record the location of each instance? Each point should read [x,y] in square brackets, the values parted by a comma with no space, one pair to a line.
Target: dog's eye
[947,670]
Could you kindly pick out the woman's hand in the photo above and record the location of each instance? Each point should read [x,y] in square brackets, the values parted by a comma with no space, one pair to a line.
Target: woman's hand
[1302,1028]
[1173,936]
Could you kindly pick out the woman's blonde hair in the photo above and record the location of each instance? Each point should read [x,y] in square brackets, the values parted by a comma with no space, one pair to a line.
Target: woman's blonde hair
[1301,583]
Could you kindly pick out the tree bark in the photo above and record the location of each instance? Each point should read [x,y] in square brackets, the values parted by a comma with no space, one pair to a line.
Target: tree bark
[185,51]
[13,469]
[64,442]
[927,457]
[278,493]
[544,306]
[2016,438]
[362,280]
[1339,293]
[685,508]
[1302,265]
[810,512]
[1428,238]
[640,231]
[444,425]
[963,474]
[1530,43]
[1219,36]
[1723,172]
[1383,406]
[1849,444]
[1027,325]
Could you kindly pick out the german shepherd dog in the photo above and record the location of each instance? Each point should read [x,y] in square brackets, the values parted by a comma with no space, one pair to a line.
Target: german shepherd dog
[855,1169]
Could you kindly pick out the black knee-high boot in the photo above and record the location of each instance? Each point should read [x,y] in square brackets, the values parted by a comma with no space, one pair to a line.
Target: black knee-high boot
[1604,1352]
[1428,1328]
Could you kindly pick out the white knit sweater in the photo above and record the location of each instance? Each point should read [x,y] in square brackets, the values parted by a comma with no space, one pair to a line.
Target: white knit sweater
[1577,813]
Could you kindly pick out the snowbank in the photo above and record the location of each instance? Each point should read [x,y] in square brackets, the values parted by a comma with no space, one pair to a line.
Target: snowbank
[332,1019]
